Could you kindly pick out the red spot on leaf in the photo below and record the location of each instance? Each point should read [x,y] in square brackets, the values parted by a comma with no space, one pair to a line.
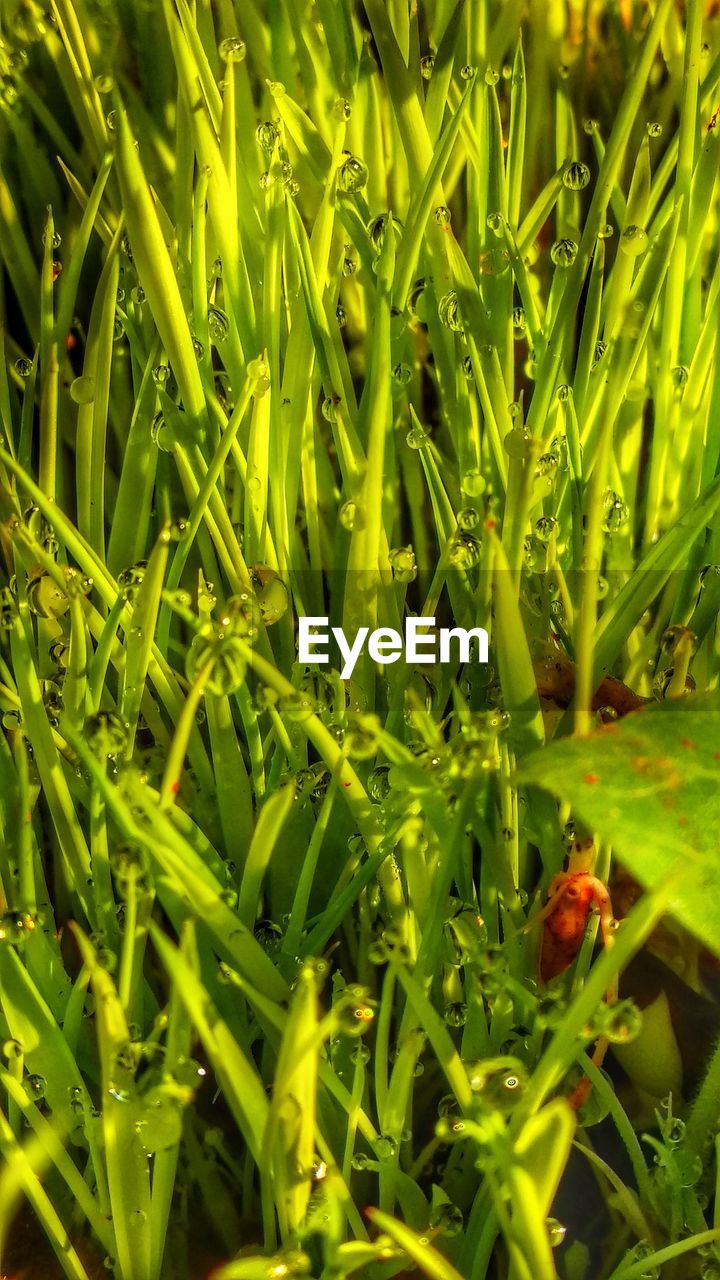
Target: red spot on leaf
[688,743]
[591,779]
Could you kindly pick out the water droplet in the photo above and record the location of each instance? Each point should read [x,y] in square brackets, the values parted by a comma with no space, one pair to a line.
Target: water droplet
[427,66]
[402,563]
[35,1087]
[556,1232]
[352,174]
[218,324]
[442,216]
[360,1160]
[654,129]
[82,390]
[621,1022]
[447,1218]
[576,176]
[402,374]
[633,240]
[347,514]
[232,49]
[455,1014]
[473,484]
[564,252]
[449,311]
[329,407]
[616,513]
[267,135]
[464,551]
[386,1147]
[546,527]
[104,84]
[417,438]
[23,366]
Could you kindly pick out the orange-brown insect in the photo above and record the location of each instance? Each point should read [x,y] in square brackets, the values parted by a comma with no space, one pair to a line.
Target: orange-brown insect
[573,895]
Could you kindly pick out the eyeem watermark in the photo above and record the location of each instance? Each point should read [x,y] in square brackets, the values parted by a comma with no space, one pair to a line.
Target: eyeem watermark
[385,645]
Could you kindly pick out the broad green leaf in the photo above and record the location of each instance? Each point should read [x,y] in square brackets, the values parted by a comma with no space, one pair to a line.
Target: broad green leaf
[648,784]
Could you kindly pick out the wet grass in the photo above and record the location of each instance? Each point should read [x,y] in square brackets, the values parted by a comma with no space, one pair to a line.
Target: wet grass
[355,311]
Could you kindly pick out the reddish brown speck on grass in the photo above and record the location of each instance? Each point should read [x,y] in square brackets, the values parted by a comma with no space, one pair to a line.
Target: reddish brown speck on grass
[717,755]
[687,742]
[489,524]
[347,784]
[175,787]
[682,820]
[591,779]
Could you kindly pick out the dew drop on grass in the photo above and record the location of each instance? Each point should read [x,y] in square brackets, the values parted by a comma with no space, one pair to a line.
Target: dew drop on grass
[427,66]
[232,49]
[518,319]
[160,1124]
[449,311]
[82,390]
[556,1232]
[329,407]
[417,438]
[633,240]
[564,252]
[218,324]
[606,231]
[23,366]
[545,527]
[442,216]
[654,129]
[104,84]
[386,1147]
[455,1014]
[464,551]
[402,374]
[467,518]
[341,316]
[447,1218]
[35,1087]
[347,515]
[267,134]
[360,1160]
[402,563]
[352,174]
[473,483]
[616,513]
[576,176]
[516,442]
[621,1022]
